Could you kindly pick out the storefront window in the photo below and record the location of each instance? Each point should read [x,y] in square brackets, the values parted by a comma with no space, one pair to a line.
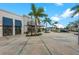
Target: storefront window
[7,26]
[18,26]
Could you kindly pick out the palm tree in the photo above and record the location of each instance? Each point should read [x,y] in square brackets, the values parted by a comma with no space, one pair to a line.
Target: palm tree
[71,26]
[37,13]
[76,8]
[75,24]
[30,14]
[46,21]
[54,24]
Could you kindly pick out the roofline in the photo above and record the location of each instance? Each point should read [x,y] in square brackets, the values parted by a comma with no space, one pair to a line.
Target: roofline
[14,13]
[10,12]
[26,16]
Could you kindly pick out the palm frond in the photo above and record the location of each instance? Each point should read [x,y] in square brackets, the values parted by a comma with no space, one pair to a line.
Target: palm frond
[74,14]
[40,10]
[55,22]
[47,20]
[30,14]
[43,15]
[33,8]
[75,7]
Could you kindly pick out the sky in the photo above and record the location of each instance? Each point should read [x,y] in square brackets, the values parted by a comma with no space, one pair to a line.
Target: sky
[56,11]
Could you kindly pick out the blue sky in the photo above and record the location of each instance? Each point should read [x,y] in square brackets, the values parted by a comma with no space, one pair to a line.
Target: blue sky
[56,11]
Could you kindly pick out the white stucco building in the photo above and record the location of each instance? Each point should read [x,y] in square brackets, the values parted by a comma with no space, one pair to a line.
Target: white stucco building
[12,24]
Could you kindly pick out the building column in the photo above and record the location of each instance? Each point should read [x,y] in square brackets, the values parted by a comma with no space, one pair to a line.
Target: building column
[13,26]
[22,28]
[1,27]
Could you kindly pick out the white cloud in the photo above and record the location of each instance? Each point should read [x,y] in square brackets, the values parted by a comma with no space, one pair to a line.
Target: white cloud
[59,26]
[67,13]
[76,15]
[45,8]
[55,18]
[59,4]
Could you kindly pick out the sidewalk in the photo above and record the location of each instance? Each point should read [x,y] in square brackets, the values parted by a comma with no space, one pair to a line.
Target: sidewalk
[46,44]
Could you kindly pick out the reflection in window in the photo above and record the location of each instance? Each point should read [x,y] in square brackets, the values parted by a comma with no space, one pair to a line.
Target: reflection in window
[18,26]
[7,26]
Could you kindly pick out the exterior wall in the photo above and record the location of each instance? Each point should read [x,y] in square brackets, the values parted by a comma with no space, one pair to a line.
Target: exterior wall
[25,20]
[13,16]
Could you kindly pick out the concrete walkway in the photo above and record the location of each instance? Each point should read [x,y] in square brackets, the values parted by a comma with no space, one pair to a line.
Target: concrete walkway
[46,44]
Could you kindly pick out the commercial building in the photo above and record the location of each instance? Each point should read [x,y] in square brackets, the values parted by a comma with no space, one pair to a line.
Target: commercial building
[12,24]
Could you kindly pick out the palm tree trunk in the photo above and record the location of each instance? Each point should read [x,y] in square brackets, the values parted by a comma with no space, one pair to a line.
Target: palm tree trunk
[31,30]
[46,27]
[35,26]
[39,25]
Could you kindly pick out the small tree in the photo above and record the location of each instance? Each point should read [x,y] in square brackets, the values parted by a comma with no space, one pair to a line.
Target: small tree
[45,21]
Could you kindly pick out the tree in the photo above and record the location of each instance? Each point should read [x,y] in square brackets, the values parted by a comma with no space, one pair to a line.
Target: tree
[30,14]
[45,21]
[76,8]
[71,26]
[76,23]
[37,13]
[54,27]
[54,23]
